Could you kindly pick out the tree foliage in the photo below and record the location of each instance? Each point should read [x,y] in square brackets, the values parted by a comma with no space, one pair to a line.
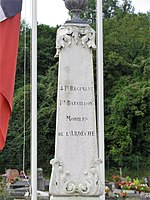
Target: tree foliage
[127,88]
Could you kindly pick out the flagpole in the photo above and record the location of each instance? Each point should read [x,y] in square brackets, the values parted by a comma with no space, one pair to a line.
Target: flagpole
[34,104]
[100,91]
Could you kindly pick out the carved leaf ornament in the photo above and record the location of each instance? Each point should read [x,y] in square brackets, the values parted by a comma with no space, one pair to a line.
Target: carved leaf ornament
[90,186]
[68,34]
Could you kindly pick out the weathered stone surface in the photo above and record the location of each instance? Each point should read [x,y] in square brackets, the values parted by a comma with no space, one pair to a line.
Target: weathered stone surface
[75,198]
[20,184]
[76,7]
[40,180]
[76,166]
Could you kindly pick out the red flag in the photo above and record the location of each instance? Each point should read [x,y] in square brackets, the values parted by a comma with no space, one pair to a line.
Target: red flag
[9,37]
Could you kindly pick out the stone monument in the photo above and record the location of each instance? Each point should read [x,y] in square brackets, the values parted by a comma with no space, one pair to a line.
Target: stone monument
[76,166]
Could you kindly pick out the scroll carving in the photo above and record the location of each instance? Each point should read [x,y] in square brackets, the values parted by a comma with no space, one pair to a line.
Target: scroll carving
[65,186]
[81,35]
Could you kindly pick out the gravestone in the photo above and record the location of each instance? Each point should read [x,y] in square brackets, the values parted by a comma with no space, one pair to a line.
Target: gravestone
[40,180]
[76,166]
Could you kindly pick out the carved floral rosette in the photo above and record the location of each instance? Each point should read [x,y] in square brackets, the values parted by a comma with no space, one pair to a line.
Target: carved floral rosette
[64,185]
[81,35]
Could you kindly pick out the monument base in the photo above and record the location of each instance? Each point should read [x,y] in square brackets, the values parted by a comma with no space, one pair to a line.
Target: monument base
[74,198]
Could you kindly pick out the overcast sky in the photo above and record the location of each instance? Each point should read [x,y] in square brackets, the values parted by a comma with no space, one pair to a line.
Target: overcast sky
[53,12]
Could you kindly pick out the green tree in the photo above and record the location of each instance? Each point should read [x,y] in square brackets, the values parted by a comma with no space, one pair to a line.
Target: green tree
[47,94]
[46,48]
[110,8]
[126,45]
[127,89]
[128,124]
[126,75]
[23,61]
[127,6]
[12,155]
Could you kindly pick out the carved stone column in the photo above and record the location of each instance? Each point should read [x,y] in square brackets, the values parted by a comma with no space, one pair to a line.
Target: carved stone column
[76,166]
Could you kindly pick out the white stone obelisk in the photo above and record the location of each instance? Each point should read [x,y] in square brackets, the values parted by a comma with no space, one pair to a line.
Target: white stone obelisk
[76,166]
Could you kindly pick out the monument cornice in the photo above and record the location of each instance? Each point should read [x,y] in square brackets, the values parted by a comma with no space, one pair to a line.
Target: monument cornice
[79,34]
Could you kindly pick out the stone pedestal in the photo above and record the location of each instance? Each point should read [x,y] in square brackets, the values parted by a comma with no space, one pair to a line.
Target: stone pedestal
[75,198]
[76,166]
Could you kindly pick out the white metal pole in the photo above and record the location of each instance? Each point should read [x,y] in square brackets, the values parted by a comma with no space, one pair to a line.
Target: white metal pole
[34,104]
[100,90]
[25,61]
